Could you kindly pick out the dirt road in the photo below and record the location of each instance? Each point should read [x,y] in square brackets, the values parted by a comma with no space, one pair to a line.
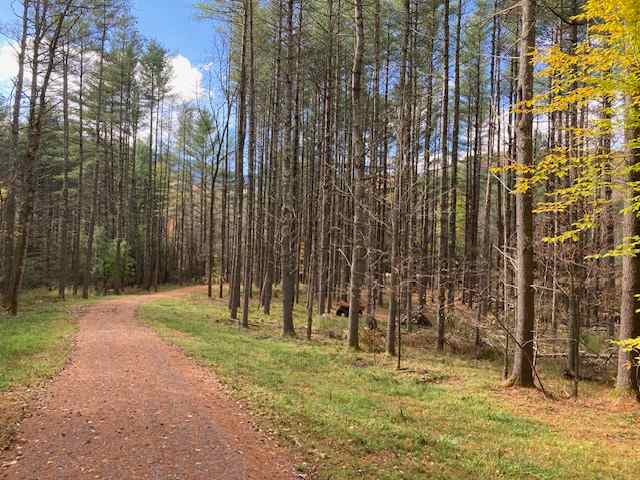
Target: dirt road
[129,406]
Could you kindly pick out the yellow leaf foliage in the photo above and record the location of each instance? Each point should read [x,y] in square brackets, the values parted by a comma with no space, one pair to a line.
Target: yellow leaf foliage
[600,73]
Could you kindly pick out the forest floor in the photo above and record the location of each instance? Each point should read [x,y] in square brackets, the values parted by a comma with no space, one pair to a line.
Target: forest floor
[126,406]
[130,405]
[347,415]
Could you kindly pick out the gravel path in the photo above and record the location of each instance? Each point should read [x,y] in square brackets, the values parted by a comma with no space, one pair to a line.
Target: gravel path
[129,406]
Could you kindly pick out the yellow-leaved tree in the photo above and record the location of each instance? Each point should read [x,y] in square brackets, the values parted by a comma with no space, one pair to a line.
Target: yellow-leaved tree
[601,75]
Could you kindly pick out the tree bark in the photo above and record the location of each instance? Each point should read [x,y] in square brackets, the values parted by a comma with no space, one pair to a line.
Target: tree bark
[358,266]
[522,373]
[248,264]
[8,271]
[234,299]
[288,182]
[628,369]
[444,186]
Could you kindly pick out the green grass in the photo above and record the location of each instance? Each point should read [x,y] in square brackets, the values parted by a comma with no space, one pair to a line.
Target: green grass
[35,344]
[353,416]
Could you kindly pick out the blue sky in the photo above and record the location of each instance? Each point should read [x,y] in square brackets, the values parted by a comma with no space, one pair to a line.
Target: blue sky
[173,23]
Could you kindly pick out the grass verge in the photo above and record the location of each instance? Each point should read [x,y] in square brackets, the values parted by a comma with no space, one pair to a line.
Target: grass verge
[34,346]
[351,415]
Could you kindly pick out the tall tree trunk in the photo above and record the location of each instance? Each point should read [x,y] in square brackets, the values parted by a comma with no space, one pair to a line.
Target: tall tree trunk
[8,270]
[273,201]
[522,373]
[75,263]
[326,171]
[444,185]
[248,264]
[88,262]
[234,300]
[37,107]
[628,369]
[393,324]
[288,182]
[64,228]
[358,266]
[455,140]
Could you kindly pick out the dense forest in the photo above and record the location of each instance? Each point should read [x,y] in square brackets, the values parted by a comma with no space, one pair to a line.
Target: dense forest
[410,157]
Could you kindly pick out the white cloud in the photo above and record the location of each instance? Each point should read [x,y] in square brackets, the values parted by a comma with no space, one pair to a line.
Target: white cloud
[186,83]
[8,66]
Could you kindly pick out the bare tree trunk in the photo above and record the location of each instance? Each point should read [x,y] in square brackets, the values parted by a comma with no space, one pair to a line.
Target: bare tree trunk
[326,173]
[444,186]
[224,228]
[522,373]
[393,325]
[63,247]
[96,168]
[358,266]
[453,207]
[273,201]
[37,107]
[8,271]
[248,264]
[374,257]
[628,369]
[75,263]
[234,299]
[288,182]
[574,269]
